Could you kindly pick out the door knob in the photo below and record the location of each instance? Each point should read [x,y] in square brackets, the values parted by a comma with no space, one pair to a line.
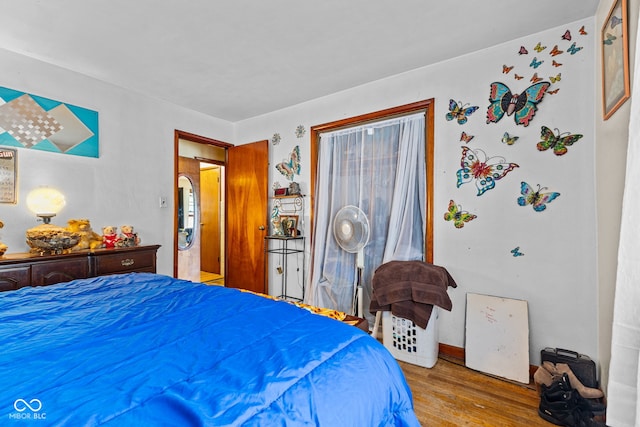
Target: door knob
[261,227]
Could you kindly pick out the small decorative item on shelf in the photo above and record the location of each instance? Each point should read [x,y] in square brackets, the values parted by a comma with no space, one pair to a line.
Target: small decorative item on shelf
[3,247]
[110,237]
[283,191]
[89,239]
[289,225]
[128,237]
[294,189]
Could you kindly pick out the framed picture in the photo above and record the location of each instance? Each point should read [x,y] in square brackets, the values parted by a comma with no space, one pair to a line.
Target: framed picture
[289,225]
[8,173]
[615,59]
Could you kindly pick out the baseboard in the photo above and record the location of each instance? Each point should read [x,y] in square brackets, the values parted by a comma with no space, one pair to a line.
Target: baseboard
[458,353]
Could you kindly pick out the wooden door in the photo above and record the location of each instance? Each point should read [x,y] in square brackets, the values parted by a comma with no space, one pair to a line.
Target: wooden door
[246,218]
[210,242]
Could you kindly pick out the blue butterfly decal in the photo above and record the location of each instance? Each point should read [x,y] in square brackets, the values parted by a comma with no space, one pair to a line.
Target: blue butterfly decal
[290,166]
[537,199]
[535,63]
[485,172]
[459,111]
[516,251]
[523,106]
[573,49]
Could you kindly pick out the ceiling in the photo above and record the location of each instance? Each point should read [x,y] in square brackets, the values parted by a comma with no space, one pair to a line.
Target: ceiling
[236,59]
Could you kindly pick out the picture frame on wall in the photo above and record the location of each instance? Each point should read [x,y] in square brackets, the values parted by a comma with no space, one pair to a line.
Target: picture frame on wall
[615,59]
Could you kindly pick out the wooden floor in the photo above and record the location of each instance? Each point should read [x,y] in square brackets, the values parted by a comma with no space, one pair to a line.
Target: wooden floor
[449,394]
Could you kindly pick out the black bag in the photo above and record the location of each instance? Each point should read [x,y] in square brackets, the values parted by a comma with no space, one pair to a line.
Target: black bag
[581,365]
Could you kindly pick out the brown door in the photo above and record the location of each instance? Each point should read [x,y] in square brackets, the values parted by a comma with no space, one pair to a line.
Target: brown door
[210,242]
[246,218]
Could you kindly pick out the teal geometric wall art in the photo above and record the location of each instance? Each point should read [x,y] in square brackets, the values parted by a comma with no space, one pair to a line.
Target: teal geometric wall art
[30,121]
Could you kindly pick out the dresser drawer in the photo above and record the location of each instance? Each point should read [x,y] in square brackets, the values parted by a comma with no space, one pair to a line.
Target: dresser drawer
[51,272]
[122,262]
[14,278]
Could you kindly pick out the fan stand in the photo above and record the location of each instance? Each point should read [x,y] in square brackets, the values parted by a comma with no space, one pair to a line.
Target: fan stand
[357,305]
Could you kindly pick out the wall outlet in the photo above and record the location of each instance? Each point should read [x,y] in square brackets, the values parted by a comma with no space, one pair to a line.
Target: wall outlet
[163,202]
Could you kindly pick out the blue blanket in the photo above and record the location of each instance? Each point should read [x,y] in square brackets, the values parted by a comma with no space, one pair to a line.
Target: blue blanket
[148,350]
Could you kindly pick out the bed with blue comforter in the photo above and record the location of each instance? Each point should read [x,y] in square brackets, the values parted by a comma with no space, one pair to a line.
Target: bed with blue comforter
[149,350]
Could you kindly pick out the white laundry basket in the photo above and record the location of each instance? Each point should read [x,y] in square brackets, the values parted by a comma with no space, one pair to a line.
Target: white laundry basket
[410,343]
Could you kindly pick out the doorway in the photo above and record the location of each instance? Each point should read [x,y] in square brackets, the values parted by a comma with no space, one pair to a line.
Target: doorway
[230,212]
[200,213]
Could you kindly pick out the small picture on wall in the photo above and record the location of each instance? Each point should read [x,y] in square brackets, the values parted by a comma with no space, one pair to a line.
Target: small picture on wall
[615,59]
[289,225]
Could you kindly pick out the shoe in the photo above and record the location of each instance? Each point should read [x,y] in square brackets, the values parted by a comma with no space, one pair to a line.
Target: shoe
[559,369]
[563,384]
[566,407]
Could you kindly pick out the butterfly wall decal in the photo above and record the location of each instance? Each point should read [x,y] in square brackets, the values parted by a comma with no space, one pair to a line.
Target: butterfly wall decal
[537,199]
[535,78]
[535,63]
[466,137]
[558,143]
[506,68]
[582,31]
[567,35]
[556,64]
[290,166]
[516,252]
[573,49]
[457,215]
[609,39]
[475,166]
[508,139]
[615,20]
[517,77]
[553,92]
[555,51]
[459,112]
[539,48]
[523,106]
[523,51]
[556,78]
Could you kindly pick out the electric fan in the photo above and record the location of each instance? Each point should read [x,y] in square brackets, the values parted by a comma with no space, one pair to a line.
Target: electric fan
[351,231]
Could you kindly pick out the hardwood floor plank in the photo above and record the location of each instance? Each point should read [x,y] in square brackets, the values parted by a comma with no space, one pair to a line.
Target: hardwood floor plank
[450,394]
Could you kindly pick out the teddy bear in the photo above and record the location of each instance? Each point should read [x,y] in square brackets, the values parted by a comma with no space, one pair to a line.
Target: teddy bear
[128,237]
[110,237]
[89,239]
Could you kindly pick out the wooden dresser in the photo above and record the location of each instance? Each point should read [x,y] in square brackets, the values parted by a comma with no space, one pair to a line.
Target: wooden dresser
[27,269]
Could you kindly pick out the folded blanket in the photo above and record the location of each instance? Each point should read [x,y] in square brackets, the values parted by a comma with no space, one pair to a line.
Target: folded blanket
[410,289]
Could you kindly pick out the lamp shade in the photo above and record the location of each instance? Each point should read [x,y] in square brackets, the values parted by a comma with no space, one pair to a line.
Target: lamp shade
[45,201]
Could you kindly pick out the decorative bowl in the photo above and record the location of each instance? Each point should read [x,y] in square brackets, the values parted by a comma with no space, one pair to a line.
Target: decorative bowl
[51,239]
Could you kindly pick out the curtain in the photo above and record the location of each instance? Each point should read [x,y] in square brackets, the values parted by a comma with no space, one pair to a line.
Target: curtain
[624,377]
[380,168]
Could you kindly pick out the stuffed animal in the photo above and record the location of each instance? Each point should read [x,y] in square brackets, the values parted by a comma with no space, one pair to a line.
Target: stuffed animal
[110,237]
[128,237]
[89,239]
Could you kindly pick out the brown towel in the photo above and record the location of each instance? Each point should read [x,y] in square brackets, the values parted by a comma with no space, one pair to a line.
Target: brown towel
[410,289]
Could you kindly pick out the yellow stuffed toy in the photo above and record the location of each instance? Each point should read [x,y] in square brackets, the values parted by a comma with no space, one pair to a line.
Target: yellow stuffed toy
[88,238]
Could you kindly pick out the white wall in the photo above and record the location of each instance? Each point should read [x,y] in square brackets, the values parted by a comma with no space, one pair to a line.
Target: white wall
[610,161]
[557,275]
[135,166]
